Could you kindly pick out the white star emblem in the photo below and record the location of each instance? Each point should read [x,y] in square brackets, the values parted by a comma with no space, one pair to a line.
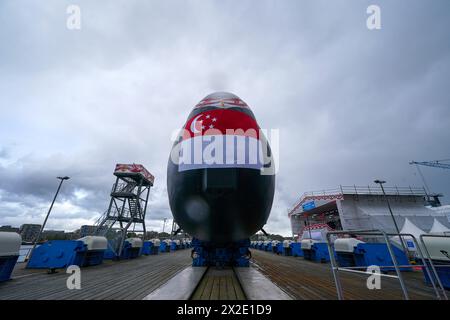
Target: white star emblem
[211,126]
[203,127]
[214,119]
[207,117]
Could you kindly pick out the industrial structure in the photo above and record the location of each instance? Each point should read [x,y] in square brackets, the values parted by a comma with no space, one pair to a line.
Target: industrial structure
[127,207]
[359,208]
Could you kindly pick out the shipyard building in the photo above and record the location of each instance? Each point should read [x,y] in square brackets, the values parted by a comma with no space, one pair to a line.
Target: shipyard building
[363,208]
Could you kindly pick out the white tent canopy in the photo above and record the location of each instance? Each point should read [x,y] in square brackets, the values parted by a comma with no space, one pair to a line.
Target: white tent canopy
[411,228]
[438,227]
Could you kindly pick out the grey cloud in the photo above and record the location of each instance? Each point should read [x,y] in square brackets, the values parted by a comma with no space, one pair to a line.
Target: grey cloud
[351,104]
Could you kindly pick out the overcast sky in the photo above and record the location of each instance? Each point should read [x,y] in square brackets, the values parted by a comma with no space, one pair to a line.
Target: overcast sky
[351,104]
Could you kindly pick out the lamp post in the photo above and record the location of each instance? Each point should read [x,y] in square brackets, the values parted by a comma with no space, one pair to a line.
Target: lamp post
[164,224]
[48,213]
[381,182]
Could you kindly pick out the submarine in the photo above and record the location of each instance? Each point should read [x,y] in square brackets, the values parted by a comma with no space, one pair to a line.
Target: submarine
[220,179]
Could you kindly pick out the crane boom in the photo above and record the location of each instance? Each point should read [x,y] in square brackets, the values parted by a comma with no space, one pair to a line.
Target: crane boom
[435,164]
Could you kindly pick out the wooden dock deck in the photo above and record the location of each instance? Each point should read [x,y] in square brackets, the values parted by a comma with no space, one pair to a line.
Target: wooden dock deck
[306,280]
[138,278]
[117,280]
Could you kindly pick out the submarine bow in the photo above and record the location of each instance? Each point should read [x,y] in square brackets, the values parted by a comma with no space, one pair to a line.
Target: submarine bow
[220,176]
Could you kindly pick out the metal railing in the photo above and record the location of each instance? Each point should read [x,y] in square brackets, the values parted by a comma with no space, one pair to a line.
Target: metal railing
[431,260]
[379,233]
[126,187]
[361,190]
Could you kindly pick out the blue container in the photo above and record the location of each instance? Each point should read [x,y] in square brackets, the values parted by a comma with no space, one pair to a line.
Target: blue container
[58,254]
[296,249]
[7,265]
[368,254]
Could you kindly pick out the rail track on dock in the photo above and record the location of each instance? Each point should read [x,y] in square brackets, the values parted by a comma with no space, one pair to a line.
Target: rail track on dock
[219,284]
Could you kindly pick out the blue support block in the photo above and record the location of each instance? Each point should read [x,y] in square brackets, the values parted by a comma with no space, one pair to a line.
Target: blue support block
[235,254]
[58,254]
[109,254]
[279,249]
[274,249]
[93,258]
[318,253]
[345,259]
[148,248]
[128,252]
[163,247]
[286,251]
[442,272]
[296,249]
[7,265]
[173,246]
[367,254]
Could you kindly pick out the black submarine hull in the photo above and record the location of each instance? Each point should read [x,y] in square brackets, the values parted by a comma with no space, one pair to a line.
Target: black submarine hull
[220,204]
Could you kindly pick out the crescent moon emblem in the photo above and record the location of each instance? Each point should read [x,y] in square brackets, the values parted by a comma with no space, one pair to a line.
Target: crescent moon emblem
[193,124]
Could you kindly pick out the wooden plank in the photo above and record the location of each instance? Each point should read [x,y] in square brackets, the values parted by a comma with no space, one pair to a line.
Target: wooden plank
[231,294]
[219,284]
[303,279]
[215,288]
[237,289]
[127,279]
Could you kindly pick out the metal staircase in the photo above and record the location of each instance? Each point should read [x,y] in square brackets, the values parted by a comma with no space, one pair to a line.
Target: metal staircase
[128,204]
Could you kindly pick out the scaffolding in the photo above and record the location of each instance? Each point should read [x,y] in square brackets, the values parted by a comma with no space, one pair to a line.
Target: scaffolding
[127,207]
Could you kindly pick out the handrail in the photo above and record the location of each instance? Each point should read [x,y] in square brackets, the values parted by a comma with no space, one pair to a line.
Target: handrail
[385,235]
[127,187]
[430,259]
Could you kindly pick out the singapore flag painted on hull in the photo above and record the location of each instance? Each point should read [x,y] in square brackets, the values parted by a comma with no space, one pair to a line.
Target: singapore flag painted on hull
[221,138]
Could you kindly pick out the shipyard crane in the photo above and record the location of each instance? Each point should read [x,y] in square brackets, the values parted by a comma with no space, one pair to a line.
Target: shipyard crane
[434,164]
